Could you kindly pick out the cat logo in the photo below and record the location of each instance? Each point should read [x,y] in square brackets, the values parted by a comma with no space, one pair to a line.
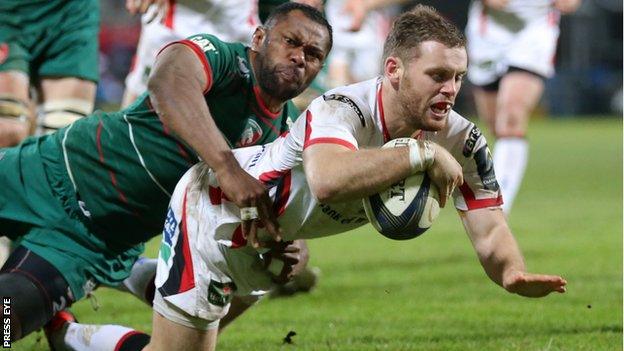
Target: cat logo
[250,135]
[242,66]
[203,43]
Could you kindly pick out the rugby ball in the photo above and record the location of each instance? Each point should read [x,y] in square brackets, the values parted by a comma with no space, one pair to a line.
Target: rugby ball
[406,209]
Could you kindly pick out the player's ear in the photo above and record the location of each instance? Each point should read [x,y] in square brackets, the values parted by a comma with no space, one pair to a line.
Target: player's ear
[258,38]
[393,69]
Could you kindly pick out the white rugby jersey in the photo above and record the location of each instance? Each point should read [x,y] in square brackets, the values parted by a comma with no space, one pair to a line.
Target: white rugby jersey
[230,20]
[524,10]
[352,116]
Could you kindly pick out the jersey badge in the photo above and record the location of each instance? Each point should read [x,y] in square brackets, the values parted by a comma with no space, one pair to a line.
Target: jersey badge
[251,134]
[220,294]
[242,67]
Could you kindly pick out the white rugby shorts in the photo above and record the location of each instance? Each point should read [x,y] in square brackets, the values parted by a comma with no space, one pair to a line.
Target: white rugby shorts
[496,43]
[198,274]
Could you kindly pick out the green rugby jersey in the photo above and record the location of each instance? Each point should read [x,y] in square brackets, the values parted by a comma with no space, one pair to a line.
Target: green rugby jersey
[125,165]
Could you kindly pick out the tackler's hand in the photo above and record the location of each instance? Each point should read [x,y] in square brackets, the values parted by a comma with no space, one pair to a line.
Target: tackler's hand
[252,197]
[289,258]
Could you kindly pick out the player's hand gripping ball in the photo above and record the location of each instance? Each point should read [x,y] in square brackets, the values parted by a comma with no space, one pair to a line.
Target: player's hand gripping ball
[406,209]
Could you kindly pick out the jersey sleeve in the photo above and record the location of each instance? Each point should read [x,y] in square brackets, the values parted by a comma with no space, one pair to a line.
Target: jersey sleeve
[480,188]
[467,144]
[217,57]
[333,120]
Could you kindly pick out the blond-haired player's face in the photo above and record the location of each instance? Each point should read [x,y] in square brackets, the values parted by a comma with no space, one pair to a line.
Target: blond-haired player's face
[430,84]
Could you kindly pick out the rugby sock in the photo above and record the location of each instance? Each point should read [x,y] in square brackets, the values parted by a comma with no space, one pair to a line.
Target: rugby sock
[89,337]
[5,249]
[510,160]
[140,283]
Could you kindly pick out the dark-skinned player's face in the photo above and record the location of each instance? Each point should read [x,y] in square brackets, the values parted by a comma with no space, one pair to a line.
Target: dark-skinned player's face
[290,55]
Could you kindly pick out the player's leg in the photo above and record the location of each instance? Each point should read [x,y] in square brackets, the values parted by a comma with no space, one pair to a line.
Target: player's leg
[171,336]
[485,102]
[519,92]
[65,333]
[37,291]
[15,114]
[65,100]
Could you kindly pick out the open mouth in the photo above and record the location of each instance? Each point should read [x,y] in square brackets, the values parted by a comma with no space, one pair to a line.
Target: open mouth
[441,108]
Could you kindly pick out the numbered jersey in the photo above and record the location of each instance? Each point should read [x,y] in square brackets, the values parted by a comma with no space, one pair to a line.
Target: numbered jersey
[124,165]
[353,117]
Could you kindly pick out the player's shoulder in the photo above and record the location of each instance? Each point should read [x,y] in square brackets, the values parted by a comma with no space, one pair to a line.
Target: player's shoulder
[210,43]
[352,99]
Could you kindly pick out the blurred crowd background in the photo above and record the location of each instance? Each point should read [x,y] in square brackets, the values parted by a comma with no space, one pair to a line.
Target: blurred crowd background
[588,62]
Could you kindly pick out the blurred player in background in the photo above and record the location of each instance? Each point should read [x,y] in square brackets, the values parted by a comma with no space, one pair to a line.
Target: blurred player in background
[330,160]
[511,46]
[50,49]
[51,46]
[356,55]
[84,199]
[230,21]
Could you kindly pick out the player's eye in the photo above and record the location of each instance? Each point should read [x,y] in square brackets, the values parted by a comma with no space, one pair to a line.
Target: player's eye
[290,41]
[438,78]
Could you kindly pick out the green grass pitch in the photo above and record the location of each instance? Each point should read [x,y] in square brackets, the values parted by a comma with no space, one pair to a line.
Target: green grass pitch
[431,293]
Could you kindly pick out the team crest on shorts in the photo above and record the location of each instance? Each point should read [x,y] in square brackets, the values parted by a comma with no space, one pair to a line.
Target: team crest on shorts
[220,294]
[4,52]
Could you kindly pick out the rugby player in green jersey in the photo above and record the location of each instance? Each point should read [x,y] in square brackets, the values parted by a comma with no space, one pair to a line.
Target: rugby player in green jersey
[82,201]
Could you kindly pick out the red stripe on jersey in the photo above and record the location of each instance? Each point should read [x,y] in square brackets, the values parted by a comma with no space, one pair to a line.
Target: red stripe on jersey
[187,280]
[237,238]
[264,120]
[381,115]
[282,197]
[263,107]
[181,150]
[202,57]
[124,338]
[169,16]
[270,176]
[330,141]
[308,128]
[474,203]
[215,195]
[111,174]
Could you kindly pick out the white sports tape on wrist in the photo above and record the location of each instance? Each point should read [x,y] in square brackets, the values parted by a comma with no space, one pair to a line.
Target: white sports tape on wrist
[13,109]
[421,155]
[60,113]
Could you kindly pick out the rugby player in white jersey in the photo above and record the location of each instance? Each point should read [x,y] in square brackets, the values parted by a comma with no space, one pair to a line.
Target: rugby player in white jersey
[231,20]
[511,45]
[317,175]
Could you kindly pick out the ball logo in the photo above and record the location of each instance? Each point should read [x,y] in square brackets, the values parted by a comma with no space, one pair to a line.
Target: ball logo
[251,134]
